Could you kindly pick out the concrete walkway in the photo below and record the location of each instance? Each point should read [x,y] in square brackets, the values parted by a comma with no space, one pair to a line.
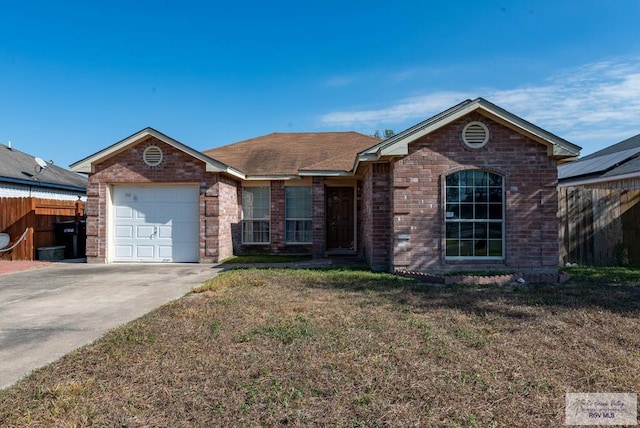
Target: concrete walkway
[46,313]
[20,265]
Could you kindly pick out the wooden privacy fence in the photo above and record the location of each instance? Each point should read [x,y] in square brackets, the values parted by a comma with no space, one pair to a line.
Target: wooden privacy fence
[599,227]
[39,215]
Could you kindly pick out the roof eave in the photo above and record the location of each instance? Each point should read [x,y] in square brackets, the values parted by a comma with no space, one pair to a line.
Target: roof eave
[324,173]
[42,184]
[87,165]
[557,147]
[572,181]
[271,177]
[397,145]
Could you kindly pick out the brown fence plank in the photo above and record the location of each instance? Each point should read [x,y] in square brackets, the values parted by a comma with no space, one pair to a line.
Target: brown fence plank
[599,226]
[40,215]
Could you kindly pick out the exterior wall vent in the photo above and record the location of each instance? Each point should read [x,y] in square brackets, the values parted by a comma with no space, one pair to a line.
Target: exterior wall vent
[475,135]
[153,156]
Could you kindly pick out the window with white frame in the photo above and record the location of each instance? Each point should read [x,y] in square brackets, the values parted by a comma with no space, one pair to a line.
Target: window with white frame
[298,214]
[474,215]
[255,214]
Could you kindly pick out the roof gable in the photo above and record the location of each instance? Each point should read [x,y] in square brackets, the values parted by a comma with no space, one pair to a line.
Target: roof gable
[21,168]
[87,165]
[397,145]
[282,155]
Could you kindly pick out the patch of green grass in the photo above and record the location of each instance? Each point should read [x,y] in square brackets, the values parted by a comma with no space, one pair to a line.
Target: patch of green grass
[471,337]
[263,258]
[286,330]
[628,275]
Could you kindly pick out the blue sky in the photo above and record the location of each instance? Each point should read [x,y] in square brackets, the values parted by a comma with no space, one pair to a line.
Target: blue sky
[76,77]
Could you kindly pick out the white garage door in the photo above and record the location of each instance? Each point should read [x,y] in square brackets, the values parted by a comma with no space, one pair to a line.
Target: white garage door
[155,224]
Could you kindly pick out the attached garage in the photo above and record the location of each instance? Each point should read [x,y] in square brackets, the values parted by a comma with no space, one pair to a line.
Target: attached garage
[153,199]
[155,223]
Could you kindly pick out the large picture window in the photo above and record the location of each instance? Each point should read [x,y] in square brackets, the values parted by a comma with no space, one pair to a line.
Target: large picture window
[298,215]
[255,214]
[474,215]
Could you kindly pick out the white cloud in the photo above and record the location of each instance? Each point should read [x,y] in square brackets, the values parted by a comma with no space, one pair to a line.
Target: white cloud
[597,103]
[409,108]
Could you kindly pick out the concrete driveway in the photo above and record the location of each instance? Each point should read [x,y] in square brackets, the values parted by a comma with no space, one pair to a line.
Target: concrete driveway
[46,313]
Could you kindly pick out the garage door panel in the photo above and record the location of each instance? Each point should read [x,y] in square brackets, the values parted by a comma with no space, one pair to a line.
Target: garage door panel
[185,195]
[185,231]
[184,252]
[156,223]
[164,232]
[124,251]
[124,231]
[145,252]
[124,212]
[187,211]
[165,252]
[145,231]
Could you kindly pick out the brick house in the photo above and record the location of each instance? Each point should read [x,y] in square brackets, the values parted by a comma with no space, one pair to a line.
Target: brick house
[473,187]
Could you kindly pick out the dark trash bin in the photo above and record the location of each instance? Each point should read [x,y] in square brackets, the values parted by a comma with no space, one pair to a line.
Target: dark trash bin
[73,235]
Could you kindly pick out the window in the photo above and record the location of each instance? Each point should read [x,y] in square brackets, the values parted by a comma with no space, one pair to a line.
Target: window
[298,215]
[474,215]
[255,214]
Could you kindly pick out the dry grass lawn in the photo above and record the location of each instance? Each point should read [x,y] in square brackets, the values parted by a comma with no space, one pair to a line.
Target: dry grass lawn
[345,348]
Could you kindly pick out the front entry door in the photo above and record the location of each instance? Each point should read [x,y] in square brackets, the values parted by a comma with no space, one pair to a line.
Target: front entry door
[340,224]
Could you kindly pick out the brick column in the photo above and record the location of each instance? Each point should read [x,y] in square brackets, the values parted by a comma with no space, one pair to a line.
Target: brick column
[380,217]
[277,215]
[319,218]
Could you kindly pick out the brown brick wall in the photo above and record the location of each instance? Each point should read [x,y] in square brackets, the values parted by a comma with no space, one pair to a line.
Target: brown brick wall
[229,215]
[530,178]
[376,216]
[218,199]
[319,218]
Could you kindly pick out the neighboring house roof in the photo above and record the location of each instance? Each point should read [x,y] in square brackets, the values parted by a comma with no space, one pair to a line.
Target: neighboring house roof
[20,168]
[618,161]
[397,145]
[87,165]
[293,154]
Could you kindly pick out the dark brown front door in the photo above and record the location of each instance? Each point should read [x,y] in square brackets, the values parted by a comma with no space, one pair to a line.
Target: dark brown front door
[340,218]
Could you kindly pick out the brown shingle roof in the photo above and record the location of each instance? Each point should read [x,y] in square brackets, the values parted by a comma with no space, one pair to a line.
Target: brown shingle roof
[286,153]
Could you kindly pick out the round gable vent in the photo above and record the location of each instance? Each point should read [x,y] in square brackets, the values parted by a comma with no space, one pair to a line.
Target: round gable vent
[153,156]
[475,135]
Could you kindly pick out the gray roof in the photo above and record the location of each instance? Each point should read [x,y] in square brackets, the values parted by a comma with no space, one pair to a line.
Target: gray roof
[619,159]
[20,168]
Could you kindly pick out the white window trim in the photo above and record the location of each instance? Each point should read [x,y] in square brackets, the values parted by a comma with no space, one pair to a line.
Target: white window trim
[502,221]
[287,219]
[268,242]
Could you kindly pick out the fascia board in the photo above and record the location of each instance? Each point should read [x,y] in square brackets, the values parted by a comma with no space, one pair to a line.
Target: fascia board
[87,165]
[270,177]
[324,173]
[579,182]
[34,183]
[556,146]
[401,146]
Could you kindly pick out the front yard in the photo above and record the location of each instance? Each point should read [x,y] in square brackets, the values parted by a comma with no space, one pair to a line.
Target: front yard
[346,348]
